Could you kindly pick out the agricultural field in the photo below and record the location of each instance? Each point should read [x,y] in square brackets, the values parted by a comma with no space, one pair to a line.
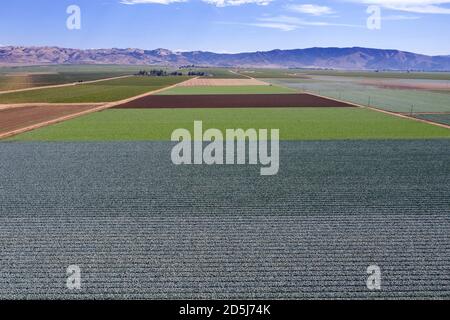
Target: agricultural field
[382,74]
[306,73]
[205,82]
[13,78]
[273,73]
[369,94]
[142,228]
[297,100]
[104,91]
[179,90]
[214,73]
[294,124]
[355,187]
[31,80]
[443,118]
[25,116]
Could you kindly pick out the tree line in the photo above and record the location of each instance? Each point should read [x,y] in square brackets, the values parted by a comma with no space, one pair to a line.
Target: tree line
[164,73]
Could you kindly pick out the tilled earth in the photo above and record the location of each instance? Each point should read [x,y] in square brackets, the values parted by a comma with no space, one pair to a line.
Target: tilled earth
[21,117]
[140,227]
[296,100]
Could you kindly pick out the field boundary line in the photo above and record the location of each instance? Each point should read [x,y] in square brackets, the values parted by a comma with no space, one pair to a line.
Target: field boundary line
[242,75]
[382,111]
[46,104]
[81,113]
[64,85]
[419,113]
[253,78]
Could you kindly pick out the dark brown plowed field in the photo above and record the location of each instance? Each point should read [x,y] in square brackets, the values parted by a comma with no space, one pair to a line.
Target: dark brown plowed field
[233,101]
[21,117]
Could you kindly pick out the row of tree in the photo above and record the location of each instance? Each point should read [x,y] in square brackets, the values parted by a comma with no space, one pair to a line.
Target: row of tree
[163,73]
[197,73]
[158,73]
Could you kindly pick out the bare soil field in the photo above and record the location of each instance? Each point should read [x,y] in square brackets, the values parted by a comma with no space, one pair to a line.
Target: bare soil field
[24,116]
[233,101]
[408,85]
[199,82]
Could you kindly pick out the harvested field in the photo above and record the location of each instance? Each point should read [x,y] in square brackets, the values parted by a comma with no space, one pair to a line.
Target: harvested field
[202,82]
[24,116]
[140,227]
[232,101]
[410,84]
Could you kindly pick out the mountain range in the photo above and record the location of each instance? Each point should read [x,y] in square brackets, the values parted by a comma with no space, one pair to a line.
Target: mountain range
[355,58]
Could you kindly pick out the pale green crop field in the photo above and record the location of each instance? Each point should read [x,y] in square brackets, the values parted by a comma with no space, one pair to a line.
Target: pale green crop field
[397,100]
[304,73]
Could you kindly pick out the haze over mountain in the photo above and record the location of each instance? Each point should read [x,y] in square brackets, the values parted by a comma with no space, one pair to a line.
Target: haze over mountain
[355,58]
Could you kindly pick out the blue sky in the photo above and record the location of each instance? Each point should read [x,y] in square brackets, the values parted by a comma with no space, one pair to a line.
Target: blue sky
[228,25]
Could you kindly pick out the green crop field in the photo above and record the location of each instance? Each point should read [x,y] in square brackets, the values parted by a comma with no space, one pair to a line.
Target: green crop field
[348,89]
[227,90]
[294,124]
[220,73]
[104,91]
[22,77]
[29,80]
[273,73]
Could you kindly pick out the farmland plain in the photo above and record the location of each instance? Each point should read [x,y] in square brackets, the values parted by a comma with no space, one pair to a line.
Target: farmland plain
[352,90]
[355,187]
[294,124]
[140,227]
[105,91]
[12,78]
[306,73]
[227,90]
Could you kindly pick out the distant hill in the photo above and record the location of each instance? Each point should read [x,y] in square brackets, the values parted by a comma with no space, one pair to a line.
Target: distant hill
[355,58]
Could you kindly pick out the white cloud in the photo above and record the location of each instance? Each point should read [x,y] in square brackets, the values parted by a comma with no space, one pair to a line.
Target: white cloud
[151,1]
[274,25]
[288,23]
[312,9]
[415,6]
[226,3]
[399,17]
